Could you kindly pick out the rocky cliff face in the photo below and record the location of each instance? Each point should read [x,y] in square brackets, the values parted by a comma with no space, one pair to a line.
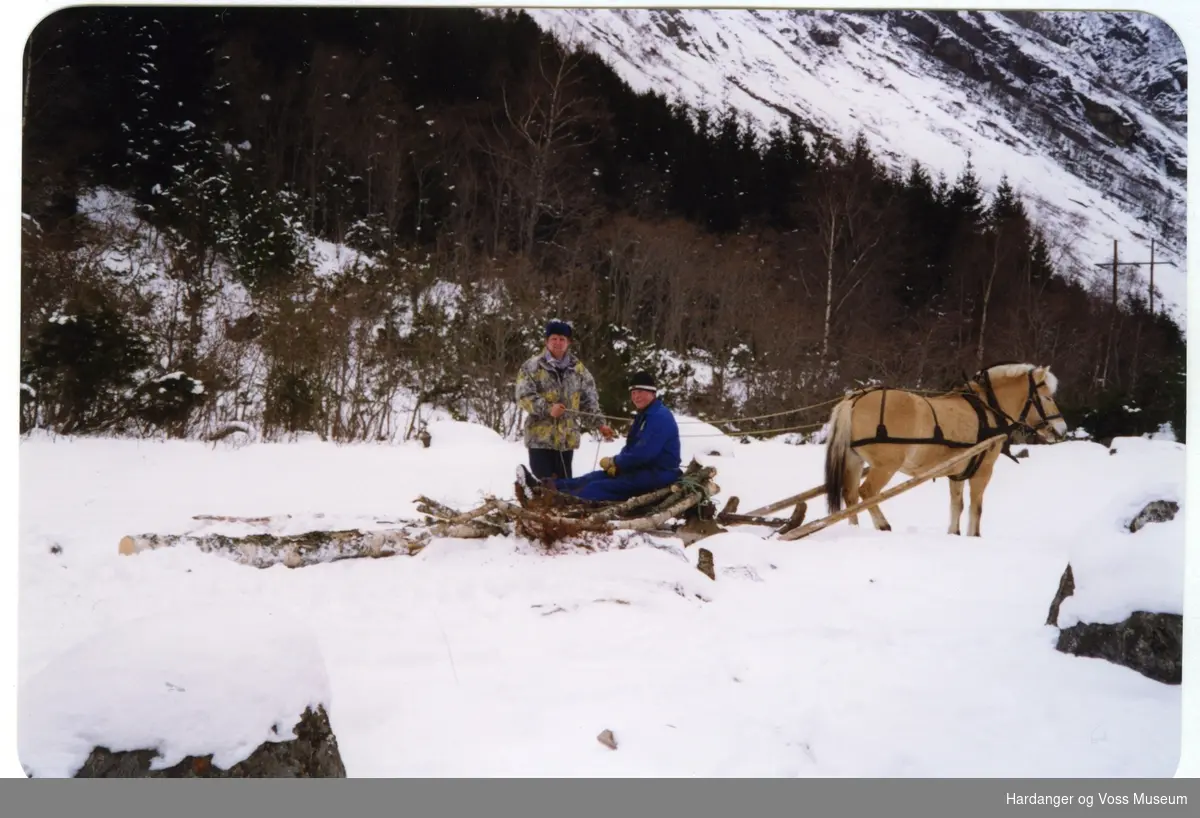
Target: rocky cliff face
[1084,111]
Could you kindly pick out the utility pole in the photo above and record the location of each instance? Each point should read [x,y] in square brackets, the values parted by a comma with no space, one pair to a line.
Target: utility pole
[1152,276]
[1112,330]
[1151,263]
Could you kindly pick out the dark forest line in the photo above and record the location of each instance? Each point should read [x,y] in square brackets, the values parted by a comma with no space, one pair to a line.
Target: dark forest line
[452,146]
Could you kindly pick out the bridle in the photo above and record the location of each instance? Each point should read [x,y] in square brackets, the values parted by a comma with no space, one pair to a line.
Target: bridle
[1033,400]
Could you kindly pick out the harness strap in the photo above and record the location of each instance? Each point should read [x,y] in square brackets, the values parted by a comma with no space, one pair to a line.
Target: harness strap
[986,430]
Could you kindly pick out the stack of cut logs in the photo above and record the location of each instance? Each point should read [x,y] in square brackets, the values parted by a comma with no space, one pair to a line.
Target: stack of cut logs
[532,515]
[543,517]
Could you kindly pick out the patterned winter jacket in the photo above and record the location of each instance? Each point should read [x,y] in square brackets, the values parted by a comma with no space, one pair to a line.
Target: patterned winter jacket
[541,384]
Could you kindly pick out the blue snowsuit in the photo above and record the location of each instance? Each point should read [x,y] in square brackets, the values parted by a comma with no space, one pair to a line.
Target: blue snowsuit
[648,461]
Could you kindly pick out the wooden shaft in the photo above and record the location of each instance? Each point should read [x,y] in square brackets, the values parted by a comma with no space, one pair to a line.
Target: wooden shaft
[749,519]
[786,502]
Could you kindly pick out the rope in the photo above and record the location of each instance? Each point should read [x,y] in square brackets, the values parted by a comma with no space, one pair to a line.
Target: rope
[690,483]
[756,417]
[761,431]
[764,417]
[719,420]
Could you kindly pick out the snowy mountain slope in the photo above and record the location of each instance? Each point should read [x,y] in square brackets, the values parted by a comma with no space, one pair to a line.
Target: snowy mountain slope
[1084,111]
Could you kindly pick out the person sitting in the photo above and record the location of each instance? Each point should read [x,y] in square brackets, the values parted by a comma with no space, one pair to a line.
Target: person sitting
[648,461]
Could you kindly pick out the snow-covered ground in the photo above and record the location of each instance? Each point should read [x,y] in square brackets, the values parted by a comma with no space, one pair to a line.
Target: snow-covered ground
[850,653]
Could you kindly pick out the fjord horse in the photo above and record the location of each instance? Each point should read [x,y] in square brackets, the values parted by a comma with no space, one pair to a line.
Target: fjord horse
[896,430]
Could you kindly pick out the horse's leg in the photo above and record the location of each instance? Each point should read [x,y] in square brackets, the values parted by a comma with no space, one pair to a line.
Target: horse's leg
[978,484]
[875,483]
[850,486]
[956,504]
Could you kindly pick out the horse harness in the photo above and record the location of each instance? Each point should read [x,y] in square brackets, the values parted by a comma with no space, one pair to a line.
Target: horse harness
[1005,424]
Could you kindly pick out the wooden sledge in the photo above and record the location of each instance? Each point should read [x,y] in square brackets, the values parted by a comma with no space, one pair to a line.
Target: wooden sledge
[945,467]
[793,528]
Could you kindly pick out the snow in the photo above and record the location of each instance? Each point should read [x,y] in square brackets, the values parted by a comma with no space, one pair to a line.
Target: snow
[850,653]
[220,681]
[331,259]
[703,440]
[1124,572]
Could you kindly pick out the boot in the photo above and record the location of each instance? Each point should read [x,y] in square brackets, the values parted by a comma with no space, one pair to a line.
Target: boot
[523,476]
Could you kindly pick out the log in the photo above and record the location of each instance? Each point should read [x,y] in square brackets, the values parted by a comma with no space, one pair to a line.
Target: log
[475,529]
[645,523]
[787,502]
[514,511]
[226,518]
[930,473]
[435,509]
[292,550]
[632,503]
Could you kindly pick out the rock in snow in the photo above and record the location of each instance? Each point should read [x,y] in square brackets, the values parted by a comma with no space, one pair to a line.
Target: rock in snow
[312,754]
[1150,643]
[242,690]
[1159,511]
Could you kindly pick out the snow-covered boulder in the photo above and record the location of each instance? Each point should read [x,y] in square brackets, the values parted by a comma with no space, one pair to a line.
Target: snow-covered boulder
[221,693]
[1121,598]
[313,753]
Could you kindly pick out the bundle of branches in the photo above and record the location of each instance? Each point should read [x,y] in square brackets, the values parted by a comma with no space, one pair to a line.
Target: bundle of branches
[547,516]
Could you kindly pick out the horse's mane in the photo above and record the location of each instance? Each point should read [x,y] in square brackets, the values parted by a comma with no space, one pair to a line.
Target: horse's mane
[1015,369]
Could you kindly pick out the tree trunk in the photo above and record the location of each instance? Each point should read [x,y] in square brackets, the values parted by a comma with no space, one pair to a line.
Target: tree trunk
[829,286]
[293,550]
[987,297]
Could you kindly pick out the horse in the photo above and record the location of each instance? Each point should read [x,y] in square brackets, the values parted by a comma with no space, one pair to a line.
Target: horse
[898,430]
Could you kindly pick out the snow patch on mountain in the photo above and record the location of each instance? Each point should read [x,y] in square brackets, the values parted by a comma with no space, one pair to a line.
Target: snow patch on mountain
[1084,111]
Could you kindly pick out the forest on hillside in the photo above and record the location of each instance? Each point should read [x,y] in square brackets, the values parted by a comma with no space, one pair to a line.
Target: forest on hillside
[464,152]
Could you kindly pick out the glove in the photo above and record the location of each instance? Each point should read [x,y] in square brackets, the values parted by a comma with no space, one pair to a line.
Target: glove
[609,467]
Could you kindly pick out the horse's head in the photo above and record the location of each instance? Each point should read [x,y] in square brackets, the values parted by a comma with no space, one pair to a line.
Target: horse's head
[1025,394]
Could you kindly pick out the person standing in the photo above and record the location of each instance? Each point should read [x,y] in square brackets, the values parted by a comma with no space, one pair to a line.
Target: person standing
[560,400]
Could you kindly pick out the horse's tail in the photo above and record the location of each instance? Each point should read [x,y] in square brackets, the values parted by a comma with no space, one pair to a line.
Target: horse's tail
[836,448]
